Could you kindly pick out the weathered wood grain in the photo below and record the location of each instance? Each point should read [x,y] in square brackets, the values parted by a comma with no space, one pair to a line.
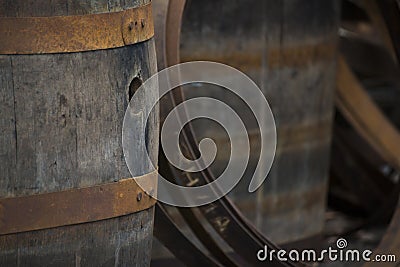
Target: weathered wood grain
[61,125]
[289,49]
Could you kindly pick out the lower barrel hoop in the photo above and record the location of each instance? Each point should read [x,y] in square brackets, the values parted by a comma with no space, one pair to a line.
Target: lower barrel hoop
[78,205]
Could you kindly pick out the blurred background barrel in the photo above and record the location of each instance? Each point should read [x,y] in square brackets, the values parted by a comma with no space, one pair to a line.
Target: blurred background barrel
[289,49]
[61,124]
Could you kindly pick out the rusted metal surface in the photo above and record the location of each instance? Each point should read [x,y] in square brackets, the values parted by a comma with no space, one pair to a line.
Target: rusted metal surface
[62,34]
[74,206]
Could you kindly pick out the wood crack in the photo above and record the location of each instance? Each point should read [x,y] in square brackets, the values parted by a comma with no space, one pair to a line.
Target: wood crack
[15,112]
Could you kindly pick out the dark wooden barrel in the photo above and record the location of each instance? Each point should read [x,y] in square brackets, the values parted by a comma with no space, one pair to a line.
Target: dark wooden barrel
[289,49]
[63,96]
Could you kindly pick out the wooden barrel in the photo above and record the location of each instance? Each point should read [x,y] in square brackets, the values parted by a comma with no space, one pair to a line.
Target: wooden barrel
[67,72]
[289,49]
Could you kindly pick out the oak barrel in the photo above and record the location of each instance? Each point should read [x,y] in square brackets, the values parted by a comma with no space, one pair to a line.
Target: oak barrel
[289,49]
[63,96]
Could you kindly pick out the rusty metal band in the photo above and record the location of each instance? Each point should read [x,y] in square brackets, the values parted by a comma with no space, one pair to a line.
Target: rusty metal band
[62,34]
[75,206]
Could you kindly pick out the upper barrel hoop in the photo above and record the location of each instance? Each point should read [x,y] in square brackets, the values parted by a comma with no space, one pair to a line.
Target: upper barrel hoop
[64,34]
